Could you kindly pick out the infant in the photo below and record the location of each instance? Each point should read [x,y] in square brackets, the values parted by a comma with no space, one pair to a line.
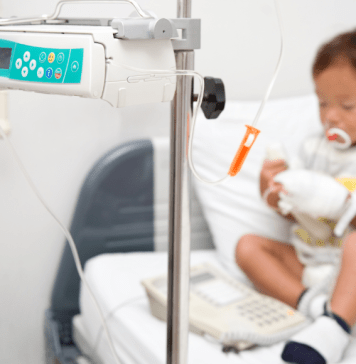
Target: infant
[317,195]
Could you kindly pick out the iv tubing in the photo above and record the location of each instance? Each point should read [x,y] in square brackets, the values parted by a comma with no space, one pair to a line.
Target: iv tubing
[65,230]
[277,67]
[110,314]
[194,115]
[195,111]
[253,125]
[70,241]
[200,99]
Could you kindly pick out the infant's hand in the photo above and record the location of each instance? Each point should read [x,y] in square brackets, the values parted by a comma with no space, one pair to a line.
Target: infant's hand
[269,170]
[314,193]
[273,195]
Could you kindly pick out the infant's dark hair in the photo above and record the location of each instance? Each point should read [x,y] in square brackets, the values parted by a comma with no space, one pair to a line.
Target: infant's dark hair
[340,49]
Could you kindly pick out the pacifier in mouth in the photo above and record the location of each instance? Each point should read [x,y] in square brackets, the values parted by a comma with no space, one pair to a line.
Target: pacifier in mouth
[338,138]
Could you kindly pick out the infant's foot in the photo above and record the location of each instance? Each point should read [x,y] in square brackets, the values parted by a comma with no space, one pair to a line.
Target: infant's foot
[323,342]
[312,306]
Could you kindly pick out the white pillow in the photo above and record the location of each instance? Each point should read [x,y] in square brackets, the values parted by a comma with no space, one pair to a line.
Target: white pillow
[235,207]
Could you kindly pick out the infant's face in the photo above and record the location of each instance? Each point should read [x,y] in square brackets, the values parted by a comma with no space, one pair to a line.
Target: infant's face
[336,90]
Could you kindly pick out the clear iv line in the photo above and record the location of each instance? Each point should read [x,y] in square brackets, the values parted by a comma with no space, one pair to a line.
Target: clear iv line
[257,117]
[194,114]
[69,239]
[110,314]
[200,98]
[66,231]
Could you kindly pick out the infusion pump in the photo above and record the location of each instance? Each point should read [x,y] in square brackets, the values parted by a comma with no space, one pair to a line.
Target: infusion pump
[87,61]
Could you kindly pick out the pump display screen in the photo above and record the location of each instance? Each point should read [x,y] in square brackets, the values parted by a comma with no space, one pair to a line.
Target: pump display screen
[5,57]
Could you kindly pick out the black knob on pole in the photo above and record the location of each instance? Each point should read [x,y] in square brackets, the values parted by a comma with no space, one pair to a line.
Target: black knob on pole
[214,97]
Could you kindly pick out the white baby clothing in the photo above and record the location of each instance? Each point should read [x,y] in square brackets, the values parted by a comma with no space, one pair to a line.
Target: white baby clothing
[313,239]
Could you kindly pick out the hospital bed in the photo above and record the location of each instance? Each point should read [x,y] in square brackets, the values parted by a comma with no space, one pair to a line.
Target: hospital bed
[120,226]
[122,207]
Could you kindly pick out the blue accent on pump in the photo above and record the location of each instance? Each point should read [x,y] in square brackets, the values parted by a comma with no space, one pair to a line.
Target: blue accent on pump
[49,73]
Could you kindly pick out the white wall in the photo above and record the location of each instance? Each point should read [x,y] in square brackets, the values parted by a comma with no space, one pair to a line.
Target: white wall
[59,138]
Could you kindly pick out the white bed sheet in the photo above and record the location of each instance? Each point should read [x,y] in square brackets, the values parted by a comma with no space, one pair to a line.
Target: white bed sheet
[139,337]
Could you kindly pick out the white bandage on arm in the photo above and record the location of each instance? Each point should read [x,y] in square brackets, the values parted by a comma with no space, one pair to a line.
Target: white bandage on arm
[347,216]
[314,193]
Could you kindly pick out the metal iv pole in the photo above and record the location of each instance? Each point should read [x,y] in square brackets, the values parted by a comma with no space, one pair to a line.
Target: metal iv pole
[179,212]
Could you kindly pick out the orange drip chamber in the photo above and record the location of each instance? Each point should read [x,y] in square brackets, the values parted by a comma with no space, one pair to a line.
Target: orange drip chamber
[244,148]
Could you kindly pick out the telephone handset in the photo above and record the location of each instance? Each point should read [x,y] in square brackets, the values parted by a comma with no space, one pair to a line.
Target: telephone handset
[227,310]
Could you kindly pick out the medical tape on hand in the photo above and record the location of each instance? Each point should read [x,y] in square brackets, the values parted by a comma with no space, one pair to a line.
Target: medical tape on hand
[347,217]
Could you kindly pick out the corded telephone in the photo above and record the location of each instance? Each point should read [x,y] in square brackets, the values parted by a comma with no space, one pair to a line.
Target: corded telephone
[227,310]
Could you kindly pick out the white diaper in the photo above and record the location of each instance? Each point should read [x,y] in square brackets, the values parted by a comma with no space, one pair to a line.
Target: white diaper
[315,255]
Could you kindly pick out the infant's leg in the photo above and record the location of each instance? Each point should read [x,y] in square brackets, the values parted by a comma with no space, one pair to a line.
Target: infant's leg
[327,338]
[272,266]
[343,301]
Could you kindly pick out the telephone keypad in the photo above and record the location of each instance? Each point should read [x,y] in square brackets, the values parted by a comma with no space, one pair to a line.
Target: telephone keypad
[264,313]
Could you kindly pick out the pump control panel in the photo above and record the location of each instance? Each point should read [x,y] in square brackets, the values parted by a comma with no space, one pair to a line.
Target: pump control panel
[52,63]
[23,62]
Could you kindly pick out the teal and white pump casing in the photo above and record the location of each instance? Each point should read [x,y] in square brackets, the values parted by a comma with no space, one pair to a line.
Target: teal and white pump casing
[86,61]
